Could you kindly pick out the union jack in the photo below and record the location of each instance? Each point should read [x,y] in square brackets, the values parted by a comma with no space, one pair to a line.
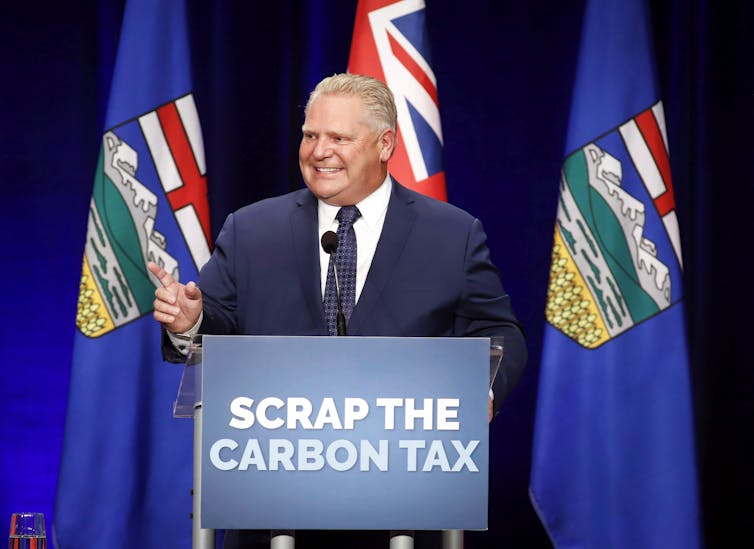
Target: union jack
[390,44]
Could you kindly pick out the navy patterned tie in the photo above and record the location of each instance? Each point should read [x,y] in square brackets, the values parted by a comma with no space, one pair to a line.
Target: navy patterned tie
[345,260]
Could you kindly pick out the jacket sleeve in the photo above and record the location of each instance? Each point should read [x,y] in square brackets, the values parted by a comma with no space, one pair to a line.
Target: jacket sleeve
[485,310]
[217,282]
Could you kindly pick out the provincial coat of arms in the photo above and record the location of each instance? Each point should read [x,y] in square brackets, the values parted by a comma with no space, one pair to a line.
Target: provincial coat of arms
[616,258]
[122,234]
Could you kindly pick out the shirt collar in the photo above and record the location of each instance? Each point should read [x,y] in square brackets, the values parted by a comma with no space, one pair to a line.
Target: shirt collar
[372,208]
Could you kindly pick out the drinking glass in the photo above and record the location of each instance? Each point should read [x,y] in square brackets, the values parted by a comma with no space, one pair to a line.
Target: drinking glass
[27,531]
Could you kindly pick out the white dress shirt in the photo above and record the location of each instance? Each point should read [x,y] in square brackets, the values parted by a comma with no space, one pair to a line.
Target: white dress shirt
[368,228]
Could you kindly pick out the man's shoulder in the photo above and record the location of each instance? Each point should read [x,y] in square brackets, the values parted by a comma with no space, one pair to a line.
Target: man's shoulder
[432,207]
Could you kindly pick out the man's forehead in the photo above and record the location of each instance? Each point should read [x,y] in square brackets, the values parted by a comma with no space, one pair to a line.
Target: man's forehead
[329,110]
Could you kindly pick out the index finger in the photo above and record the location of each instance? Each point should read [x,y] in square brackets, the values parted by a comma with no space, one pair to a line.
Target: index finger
[162,275]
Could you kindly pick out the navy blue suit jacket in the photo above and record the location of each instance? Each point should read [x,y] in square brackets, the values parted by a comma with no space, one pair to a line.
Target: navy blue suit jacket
[431,276]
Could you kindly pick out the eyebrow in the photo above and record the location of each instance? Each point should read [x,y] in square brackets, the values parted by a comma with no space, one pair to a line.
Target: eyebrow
[331,133]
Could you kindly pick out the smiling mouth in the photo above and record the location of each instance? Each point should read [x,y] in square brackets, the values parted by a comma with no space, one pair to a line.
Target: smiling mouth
[327,170]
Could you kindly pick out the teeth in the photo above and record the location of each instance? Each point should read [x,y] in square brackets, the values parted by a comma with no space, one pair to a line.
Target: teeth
[327,169]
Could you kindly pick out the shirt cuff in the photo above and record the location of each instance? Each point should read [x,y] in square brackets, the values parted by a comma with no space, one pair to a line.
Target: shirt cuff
[182,341]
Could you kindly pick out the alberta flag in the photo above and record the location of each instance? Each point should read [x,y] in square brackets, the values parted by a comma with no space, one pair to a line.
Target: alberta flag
[614,457]
[390,44]
[125,476]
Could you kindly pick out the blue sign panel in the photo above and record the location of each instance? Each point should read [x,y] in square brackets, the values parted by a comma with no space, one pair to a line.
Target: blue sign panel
[345,433]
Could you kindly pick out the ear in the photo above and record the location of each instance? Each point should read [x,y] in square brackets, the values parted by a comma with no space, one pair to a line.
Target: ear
[387,142]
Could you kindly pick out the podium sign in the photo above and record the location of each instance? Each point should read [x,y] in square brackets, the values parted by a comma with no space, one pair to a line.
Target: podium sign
[344,433]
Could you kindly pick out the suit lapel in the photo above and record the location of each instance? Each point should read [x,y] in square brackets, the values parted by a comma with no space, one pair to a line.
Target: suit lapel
[304,235]
[398,223]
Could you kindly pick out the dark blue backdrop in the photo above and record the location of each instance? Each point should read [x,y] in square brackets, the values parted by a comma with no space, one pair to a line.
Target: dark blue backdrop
[504,72]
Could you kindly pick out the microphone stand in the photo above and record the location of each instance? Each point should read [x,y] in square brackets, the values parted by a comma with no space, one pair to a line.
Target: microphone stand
[330,245]
[341,318]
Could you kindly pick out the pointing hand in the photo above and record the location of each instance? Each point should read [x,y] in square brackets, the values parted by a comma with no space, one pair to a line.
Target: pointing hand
[176,306]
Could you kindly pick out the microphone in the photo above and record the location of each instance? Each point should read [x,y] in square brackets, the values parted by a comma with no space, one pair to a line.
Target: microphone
[330,242]
[330,245]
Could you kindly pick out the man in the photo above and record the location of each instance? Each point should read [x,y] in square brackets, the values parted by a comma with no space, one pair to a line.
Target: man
[422,266]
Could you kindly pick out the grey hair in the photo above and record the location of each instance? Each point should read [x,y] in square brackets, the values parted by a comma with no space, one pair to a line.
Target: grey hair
[377,97]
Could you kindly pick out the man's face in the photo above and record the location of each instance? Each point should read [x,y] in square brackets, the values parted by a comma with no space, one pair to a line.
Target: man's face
[342,159]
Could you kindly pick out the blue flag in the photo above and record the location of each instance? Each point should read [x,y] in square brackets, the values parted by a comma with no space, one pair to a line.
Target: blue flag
[125,475]
[613,463]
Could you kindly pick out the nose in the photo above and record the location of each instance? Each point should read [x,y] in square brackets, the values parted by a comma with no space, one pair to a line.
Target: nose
[321,148]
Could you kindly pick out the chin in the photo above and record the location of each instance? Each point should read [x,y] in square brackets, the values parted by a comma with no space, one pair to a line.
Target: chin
[325,190]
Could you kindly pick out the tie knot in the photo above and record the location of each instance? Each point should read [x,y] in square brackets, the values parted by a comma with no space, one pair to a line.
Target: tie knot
[348,214]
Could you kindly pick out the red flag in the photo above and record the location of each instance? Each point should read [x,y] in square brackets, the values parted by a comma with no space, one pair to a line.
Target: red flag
[390,44]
